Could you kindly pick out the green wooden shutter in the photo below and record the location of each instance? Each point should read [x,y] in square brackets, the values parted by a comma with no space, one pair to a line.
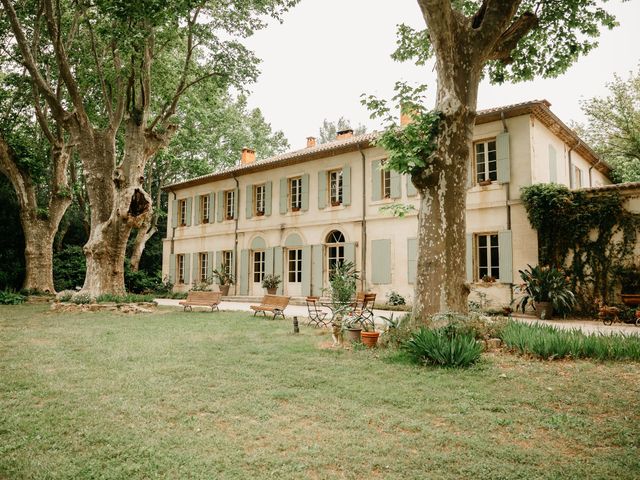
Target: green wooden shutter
[268,261]
[172,268]
[174,214]
[412,191]
[306,270]
[322,189]
[412,259]
[284,194]
[212,210]
[268,188]
[236,202]
[187,268]
[346,185]
[396,190]
[278,267]
[553,166]
[381,264]
[195,272]
[249,201]
[470,164]
[196,209]
[506,256]
[502,153]
[233,266]
[350,252]
[210,261]
[220,212]
[219,260]
[189,202]
[244,272]
[305,192]
[469,258]
[376,181]
[316,270]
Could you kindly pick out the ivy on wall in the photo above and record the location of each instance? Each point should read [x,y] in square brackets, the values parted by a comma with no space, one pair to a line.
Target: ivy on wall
[592,236]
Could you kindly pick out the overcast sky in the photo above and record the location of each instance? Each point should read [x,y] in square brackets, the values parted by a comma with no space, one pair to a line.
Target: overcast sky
[327,52]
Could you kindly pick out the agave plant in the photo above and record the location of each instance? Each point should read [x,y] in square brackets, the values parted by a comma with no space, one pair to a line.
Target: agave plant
[545,284]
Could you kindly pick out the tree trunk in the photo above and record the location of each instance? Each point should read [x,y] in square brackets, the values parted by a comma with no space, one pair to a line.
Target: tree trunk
[142,237]
[38,256]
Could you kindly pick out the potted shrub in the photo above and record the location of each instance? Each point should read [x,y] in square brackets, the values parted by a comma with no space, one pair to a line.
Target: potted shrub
[370,335]
[342,289]
[630,281]
[353,328]
[224,278]
[547,289]
[271,283]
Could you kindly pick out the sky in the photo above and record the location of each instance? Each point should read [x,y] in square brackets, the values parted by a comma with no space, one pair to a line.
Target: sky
[326,53]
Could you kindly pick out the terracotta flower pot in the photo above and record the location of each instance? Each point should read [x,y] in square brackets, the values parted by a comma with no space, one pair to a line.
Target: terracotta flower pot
[544,310]
[224,289]
[353,334]
[272,291]
[370,339]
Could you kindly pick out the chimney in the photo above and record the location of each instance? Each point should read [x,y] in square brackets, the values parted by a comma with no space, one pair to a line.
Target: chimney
[248,156]
[406,115]
[342,134]
[311,142]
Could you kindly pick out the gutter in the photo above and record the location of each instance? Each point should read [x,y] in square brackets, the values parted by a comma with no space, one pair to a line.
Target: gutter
[363,235]
[236,260]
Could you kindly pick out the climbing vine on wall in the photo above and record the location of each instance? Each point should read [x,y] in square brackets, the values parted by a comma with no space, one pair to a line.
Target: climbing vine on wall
[591,235]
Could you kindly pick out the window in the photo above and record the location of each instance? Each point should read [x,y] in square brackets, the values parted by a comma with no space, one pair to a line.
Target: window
[295,266]
[180,268]
[335,250]
[204,209]
[335,187]
[577,177]
[259,199]
[486,161]
[295,193]
[258,266]
[227,256]
[488,256]
[182,212]
[230,204]
[385,181]
[203,262]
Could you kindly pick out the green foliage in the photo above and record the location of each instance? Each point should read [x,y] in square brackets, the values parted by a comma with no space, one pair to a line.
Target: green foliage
[546,284]
[410,146]
[443,347]
[549,343]
[222,276]
[271,281]
[394,298]
[11,297]
[69,267]
[65,295]
[81,298]
[399,210]
[629,279]
[594,231]
[11,238]
[128,298]
[342,282]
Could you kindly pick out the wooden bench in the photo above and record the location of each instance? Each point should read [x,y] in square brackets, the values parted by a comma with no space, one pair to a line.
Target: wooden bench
[202,299]
[271,303]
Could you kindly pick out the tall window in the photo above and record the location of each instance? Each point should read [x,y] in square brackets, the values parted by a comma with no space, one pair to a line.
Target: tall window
[230,204]
[258,266]
[488,256]
[182,212]
[259,197]
[335,250]
[385,182]
[180,268]
[204,209]
[335,187]
[486,161]
[227,256]
[295,193]
[577,177]
[203,266]
[295,266]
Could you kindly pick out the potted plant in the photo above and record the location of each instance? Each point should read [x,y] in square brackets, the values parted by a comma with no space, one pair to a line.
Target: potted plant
[369,335]
[353,328]
[547,288]
[224,278]
[630,281]
[271,282]
[342,288]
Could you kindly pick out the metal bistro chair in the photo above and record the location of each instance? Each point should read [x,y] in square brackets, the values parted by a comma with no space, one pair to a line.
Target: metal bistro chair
[363,308]
[316,315]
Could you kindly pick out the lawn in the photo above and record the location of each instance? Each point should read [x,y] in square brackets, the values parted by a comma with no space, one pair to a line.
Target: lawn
[225,395]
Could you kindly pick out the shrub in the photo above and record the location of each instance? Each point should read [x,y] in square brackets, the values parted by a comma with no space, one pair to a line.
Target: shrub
[10,297]
[141,281]
[342,282]
[65,295]
[397,331]
[443,347]
[127,298]
[479,326]
[81,298]
[548,342]
[546,284]
[394,298]
[69,267]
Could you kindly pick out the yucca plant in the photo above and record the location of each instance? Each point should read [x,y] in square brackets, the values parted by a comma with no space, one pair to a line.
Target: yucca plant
[545,284]
[443,347]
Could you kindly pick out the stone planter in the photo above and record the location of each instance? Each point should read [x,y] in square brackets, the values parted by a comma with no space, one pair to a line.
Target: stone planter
[354,335]
[272,291]
[544,310]
[224,289]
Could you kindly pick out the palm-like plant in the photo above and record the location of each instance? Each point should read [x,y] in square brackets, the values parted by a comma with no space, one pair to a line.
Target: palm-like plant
[545,284]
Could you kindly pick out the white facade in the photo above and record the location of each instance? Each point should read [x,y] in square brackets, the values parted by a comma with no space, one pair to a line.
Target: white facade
[285,223]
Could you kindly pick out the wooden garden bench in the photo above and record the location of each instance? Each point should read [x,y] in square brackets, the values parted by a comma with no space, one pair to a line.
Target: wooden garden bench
[202,299]
[271,303]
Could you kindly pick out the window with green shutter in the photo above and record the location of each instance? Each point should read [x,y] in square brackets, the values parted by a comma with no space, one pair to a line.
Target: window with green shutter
[381,261]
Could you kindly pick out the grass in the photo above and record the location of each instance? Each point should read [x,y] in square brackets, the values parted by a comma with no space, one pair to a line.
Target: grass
[226,395]
[549,342]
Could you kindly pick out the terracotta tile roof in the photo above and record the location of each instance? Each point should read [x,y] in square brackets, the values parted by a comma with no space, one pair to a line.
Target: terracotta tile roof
[622,187]
[539,108]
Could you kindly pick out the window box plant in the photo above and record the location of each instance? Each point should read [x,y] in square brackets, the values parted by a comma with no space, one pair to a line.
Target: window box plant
[547,288]
[484,183]
[271,283]
[224,278]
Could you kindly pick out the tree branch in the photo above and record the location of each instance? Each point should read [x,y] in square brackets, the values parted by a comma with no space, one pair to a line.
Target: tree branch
[103,86]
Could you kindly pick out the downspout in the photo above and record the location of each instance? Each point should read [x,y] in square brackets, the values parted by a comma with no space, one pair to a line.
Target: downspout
[571,164]
[363,236]
[236,260]
[173,229]
[508,205]
[591,168]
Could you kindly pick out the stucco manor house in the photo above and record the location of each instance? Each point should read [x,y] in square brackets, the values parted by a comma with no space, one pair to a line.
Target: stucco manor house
[300,213]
